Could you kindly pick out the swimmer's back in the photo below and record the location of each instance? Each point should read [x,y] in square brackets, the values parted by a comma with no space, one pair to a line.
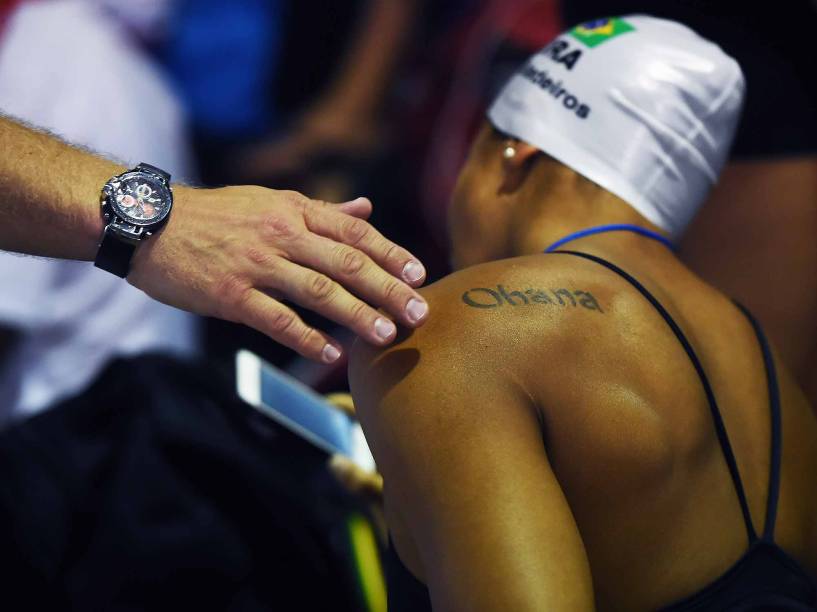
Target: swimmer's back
[626,423]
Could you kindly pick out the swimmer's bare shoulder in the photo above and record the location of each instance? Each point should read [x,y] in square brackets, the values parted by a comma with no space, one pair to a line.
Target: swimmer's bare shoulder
[456,429]
[511,320]
[502,302]
[476,421]
[473,417]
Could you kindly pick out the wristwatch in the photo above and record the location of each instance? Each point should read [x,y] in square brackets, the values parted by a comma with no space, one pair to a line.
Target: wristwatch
[135,204]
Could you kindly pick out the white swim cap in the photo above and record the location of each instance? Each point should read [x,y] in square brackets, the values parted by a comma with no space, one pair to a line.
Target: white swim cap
[643,107]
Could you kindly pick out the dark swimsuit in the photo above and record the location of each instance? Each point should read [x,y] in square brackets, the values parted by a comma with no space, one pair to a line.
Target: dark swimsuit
[765,578]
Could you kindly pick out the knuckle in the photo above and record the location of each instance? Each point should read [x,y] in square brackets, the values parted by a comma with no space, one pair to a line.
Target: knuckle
[281,321]
[309,339]
[354,231]
[351,262]
[276,228]
[231,293]
[392,290]
[393,253]
[259,257]
[313,213]
[359,313]
[320,288]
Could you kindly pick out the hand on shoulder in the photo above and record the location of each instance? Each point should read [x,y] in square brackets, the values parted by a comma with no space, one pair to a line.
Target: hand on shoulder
[238,252]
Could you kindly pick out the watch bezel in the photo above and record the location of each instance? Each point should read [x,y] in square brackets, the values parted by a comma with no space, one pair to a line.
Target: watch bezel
[113,208]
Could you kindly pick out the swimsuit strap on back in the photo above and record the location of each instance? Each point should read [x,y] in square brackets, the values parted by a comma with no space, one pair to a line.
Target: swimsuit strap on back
[776,428]
[720,428]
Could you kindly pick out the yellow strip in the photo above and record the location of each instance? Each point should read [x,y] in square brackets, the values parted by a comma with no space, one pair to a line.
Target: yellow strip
[367,559]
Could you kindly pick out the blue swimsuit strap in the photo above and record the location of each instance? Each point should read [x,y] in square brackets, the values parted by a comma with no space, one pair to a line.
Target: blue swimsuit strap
[612,227]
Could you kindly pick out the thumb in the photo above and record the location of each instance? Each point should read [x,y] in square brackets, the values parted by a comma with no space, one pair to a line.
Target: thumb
[359,207]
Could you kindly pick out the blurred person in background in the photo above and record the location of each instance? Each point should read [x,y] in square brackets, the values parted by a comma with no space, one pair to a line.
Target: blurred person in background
[77,69]
[223,57]
[275,87]
[343,121]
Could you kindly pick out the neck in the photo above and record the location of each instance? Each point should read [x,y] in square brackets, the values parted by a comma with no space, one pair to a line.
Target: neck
[530,218]
[537,234]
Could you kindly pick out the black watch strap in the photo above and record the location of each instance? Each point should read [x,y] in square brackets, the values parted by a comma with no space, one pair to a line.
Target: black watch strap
[114,254]
[155,170]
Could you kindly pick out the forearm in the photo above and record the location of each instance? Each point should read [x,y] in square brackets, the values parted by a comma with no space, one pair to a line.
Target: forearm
[223,251]
[366,70]
[49,194]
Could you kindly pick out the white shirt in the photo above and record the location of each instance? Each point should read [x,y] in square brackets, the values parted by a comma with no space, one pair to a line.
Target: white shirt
[68,68]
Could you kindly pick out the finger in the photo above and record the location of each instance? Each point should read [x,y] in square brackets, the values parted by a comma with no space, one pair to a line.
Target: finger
[355,271]
[358,233]
[355,479]
[321,294]
[359,207]
[280,323]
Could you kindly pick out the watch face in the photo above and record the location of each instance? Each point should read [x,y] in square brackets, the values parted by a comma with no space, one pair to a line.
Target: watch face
[140,198]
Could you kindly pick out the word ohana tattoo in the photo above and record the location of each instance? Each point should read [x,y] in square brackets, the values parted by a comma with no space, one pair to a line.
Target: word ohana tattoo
[483,297]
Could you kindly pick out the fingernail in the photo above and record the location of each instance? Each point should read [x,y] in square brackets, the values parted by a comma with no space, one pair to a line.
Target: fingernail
[330,354]
[413,271]
[356,200]
[416,310]
[384,328]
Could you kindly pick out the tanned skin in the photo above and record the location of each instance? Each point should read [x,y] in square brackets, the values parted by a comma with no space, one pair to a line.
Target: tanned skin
[545,441]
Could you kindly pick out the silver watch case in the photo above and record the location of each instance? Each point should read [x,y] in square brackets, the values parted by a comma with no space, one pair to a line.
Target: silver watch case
[130,228]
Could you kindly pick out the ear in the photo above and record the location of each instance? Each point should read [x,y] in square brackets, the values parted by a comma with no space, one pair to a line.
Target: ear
[516,163]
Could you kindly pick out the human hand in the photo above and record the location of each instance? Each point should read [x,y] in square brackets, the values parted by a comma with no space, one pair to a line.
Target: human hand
[327,130]
[236,252]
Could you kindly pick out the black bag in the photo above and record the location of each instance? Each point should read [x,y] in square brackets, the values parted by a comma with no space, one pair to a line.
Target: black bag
[156,489]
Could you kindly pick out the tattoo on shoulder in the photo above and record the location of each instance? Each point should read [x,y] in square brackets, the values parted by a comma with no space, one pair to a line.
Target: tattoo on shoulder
[499,297]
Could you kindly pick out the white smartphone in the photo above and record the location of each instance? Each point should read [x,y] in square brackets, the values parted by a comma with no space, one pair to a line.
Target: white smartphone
[300,409]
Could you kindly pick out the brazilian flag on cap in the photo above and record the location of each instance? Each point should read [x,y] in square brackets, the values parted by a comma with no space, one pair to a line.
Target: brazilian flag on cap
[593,33]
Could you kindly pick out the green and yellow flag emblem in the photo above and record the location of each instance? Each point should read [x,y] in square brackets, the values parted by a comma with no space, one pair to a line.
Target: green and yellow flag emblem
[595,32]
